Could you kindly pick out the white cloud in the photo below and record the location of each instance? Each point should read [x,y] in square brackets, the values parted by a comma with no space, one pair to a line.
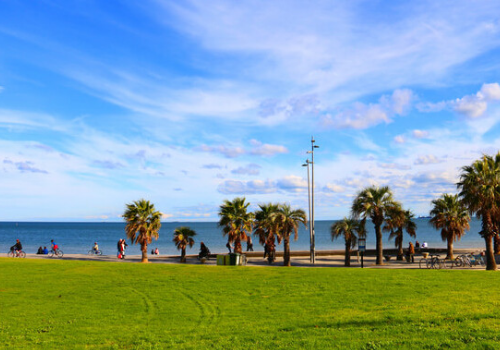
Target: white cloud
[292,183]
[472,106]
[490,92]
[428,159]
[250,169]
[246,187]
[420,134]
[363,116]
[333,188]
[399,139]
[475,105]
[393,166]
[229,152]
[266,149]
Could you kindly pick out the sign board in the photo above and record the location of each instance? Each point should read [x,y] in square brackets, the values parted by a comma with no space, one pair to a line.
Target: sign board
[361,244]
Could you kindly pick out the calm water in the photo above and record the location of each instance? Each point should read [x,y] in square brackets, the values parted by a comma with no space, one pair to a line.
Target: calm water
[77,238]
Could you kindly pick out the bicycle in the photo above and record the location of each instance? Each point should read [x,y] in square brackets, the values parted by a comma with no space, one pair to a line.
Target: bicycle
[434,262]
[16,254]
[469,260]
[95,252]
[58,253]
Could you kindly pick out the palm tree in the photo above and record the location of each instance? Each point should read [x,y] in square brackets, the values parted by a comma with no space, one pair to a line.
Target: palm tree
[450,215]
[374,202]
[397,221]
[479,188]
[183,237]
[235,221]
[143,224]
[265,223]
[288,220]
[349,228]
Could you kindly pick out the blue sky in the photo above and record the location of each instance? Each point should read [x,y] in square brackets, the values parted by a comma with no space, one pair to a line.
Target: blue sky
[188,103]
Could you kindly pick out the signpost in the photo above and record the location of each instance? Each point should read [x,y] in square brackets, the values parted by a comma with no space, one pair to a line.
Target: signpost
[362,248]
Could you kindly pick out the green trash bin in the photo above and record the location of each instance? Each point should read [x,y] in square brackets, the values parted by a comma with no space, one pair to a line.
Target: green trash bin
[227,260]
[234,259]
[220,260]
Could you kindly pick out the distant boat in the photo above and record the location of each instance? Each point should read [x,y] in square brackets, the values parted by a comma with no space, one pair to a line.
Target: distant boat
[424,217]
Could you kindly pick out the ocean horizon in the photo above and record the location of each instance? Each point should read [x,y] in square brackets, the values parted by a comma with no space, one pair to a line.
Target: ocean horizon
[78,237]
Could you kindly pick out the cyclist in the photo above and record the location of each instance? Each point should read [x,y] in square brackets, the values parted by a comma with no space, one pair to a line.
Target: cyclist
[96,247]
[16,248]
[55,247]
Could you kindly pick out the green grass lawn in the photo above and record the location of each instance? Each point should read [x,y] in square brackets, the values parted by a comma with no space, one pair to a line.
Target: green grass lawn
[77,304]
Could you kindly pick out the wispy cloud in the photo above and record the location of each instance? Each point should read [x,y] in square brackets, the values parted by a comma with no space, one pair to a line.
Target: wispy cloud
[25,166]
[250,169]
[363,116]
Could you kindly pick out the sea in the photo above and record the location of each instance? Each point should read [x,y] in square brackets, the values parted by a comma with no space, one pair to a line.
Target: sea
[78,238]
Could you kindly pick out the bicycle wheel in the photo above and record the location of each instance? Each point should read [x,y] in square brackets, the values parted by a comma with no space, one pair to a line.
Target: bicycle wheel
[428,264]
[22,254]
[10,254]
[443,264]
[59,253]
[458,262]
[99,252]
[51,253]
[422,263]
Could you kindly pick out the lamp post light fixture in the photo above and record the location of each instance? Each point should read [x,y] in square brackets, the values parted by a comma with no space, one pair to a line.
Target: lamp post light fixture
[311,251]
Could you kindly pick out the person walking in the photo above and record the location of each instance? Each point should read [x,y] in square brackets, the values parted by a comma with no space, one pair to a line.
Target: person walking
[249,244]
[411,253]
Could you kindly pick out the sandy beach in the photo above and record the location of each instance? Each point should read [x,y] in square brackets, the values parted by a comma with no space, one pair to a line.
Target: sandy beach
[334,258]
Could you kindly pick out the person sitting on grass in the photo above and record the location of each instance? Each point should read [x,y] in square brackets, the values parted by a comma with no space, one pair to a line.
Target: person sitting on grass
[45,251]
[40,250]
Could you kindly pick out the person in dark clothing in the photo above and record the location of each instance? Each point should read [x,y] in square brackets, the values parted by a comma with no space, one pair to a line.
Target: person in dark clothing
[228,246]
[17,247]
[40,250]
[204,251]
[249,244]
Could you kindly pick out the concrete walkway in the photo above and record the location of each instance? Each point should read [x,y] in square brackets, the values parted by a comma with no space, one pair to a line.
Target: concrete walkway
[298,260]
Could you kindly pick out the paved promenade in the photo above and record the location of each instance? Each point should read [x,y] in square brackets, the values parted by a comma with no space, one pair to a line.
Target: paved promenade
[299,259]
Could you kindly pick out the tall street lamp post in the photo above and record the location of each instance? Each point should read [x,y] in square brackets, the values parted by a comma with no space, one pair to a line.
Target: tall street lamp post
[311,204]
[311,251]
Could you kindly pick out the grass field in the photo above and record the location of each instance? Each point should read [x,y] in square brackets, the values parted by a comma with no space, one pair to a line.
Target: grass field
[77,304]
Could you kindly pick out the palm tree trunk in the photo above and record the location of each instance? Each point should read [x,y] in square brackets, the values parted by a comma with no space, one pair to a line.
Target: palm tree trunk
[286,252]
[449,254]
[490,256]
[347,260]
[400,247]
[183,255]
[380,248]
[237,245]
[144,250]
[487,232]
